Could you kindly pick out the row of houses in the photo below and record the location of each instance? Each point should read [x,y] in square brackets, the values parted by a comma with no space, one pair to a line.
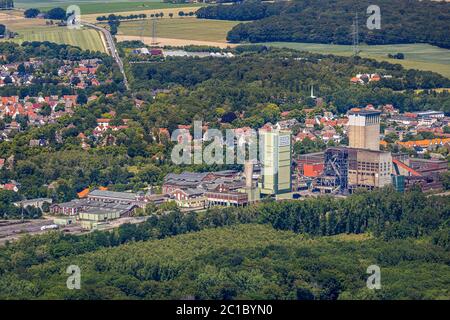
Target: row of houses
[32,106]
[81,74]
[19,74]
[364,78]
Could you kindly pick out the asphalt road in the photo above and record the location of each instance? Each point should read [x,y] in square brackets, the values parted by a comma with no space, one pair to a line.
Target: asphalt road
[11,230]
[111,46]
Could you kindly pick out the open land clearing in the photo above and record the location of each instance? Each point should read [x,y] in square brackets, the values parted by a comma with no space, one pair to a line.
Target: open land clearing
[38,30]
[175,42]
[417,56]
[186,8]
[103,6]
[184,31]
[181,28]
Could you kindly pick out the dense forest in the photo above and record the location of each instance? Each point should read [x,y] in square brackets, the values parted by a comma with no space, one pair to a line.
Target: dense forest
[312,249]
[283,77]
[328,21]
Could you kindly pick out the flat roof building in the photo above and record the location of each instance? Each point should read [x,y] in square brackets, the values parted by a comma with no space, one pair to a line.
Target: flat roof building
[276,158]
[364,129]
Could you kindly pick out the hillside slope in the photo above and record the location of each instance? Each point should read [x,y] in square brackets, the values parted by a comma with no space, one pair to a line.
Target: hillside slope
[328,21]
[244,261]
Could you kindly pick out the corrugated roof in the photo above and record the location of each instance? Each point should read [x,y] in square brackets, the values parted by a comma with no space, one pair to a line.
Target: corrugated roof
[113,194]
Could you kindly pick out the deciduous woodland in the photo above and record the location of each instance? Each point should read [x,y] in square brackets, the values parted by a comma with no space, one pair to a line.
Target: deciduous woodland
[328,21]
[314,249]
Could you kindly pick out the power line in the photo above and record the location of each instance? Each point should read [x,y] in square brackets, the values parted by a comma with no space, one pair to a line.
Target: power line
[154,39]
[355,36]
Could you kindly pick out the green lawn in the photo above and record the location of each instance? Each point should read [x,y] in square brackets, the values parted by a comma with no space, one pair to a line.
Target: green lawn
[417,56]
[101,6]
[181,28]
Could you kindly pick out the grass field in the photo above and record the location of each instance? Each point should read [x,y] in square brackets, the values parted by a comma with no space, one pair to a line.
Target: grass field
[102,6]
[417,56]
[37,30]
[180,28]
[86,39]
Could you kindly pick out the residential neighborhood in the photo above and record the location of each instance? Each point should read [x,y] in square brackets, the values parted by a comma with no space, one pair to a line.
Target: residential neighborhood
[232,151]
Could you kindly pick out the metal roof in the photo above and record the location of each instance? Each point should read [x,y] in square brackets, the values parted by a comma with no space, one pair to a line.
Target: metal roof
[113,194]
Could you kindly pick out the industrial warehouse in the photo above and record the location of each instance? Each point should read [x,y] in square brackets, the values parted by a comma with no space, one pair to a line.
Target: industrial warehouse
[341,170]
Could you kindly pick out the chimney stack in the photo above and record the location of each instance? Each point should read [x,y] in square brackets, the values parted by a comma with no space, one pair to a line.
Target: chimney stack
[248,171]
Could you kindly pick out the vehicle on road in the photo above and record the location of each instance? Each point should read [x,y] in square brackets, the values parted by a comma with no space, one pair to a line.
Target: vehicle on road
[49,227]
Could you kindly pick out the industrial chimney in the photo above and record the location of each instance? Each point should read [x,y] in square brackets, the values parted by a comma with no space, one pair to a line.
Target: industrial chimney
[248,171]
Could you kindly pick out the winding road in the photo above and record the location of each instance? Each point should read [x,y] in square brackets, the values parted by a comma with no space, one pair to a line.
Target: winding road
[111,47]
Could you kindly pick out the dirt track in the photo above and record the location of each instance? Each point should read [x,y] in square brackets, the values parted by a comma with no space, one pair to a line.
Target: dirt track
[175,42]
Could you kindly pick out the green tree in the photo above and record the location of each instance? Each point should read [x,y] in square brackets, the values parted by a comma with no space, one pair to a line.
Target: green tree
[31,13]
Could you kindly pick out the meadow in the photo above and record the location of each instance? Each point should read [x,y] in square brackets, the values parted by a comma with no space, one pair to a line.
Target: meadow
[417,56]
[96,7]
[180,28]
[86,39]
[37,30]
[183,31]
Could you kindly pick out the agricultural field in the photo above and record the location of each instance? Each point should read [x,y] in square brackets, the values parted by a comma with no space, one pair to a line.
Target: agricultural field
[101,6]
[86,39]
[180,28]
[417,56]
[38,30]
[187,8]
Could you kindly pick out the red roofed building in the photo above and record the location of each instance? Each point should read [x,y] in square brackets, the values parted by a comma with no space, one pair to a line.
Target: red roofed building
[72,98]
[310,123]
[303,135]
[156,52]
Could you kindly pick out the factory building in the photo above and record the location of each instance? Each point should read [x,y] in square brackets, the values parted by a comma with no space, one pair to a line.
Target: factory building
[276,158]
[364,129]
[369,169]
[311,164]
[362,164]
[424,173]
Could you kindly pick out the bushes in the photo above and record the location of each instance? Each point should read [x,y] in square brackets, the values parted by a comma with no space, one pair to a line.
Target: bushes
[31,13]
[56,14]
[214,262]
